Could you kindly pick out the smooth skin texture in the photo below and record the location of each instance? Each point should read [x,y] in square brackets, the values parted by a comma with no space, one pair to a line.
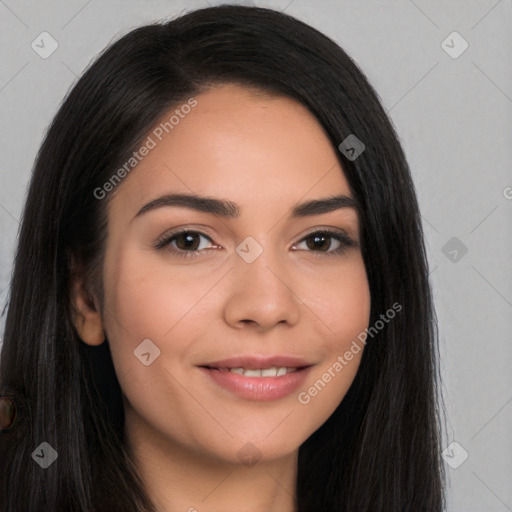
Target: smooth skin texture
[266,154]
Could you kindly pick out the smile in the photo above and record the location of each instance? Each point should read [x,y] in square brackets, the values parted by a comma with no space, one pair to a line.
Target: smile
[260,372]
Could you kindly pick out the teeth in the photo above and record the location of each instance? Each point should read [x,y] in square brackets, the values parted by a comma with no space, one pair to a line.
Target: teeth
[251,373]
[266,372]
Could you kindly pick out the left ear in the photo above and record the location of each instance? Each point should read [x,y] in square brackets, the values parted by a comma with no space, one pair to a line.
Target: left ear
[86,311]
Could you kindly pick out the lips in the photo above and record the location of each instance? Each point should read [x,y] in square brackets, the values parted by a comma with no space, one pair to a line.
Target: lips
[255,387]
[258,362]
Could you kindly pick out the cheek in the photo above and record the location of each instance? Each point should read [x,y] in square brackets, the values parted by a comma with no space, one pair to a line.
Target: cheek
[343,304]
[341,300]
[150,300]
[147,297]
[142,302]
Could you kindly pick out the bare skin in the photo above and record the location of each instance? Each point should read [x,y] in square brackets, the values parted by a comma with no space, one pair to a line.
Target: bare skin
[184,431]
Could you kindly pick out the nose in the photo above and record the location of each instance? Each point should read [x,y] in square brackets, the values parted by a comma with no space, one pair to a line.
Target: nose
[263,293]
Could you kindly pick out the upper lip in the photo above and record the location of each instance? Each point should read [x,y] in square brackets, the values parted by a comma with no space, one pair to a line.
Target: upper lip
[257,362]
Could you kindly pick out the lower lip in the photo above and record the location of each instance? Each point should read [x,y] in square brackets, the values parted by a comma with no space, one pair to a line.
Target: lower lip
[263,389]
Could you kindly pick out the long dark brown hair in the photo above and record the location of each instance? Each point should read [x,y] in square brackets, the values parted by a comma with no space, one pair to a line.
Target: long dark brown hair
[380,450]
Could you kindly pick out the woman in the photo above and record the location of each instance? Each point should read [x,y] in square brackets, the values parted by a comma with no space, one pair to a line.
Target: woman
[220,296]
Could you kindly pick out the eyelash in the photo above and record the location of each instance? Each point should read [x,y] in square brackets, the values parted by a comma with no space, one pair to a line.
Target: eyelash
[345,242]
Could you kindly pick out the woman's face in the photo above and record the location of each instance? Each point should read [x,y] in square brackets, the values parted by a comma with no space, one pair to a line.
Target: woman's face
[254,285]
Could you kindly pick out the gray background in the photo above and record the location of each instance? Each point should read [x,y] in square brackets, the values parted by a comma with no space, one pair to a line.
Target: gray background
[453,116]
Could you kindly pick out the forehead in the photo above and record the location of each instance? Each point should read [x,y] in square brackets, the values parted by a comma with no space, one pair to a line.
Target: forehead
[239,144]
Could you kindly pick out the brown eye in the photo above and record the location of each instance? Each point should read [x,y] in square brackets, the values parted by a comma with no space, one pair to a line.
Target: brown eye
[319,241]
[185,243]
[187,240]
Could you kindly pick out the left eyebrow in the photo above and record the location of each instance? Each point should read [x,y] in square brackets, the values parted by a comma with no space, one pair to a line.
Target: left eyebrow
[230,210]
